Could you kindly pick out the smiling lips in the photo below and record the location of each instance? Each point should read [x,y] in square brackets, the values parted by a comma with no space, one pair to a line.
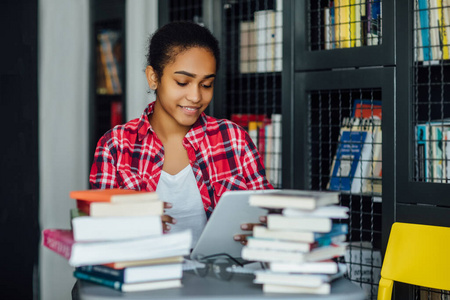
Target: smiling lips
[190,109]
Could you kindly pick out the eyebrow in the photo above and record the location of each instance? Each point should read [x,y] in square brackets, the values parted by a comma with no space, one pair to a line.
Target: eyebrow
[194,75]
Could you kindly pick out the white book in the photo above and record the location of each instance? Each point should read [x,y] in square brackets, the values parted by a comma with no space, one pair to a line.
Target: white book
[268,25]
[321,267]
[330,211]
[274,244]
[314,224]
[92,253]
[276,162]
[323,289]
[288,235]
[306,280]
[269,255]
[88,228]
[300,199]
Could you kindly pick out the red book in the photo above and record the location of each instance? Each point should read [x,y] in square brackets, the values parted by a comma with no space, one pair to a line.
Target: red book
[116,113]
[59,241]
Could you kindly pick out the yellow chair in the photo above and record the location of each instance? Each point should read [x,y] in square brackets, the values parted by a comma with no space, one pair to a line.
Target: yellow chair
[417,255]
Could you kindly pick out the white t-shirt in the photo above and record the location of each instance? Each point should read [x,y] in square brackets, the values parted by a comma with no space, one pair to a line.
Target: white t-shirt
[182,192]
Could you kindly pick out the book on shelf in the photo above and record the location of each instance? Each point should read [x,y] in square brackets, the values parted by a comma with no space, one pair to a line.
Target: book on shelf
[145,262]
[128,208]
[130,287]
[269,40]
[253,131]
[424,22]
[87,228]
[444,24]
[116,113]
[61,242]
[423,165]
[363,264]
[276,160]
[343,23]
[114,195]
[432,159]
[329,27]
[244,119]
[108,41]
[351,168]
[300,199]
[338,229]
[247,50]
[134,274]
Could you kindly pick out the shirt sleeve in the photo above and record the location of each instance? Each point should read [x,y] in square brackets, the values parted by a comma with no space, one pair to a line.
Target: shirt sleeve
[103,170]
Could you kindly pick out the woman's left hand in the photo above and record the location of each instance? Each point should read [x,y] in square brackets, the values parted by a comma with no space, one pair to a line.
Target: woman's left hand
[242,238]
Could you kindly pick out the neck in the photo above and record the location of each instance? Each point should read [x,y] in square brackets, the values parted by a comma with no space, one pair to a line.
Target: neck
[166,127]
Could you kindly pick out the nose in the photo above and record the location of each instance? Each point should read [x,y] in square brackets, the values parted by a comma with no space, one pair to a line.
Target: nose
[194,94]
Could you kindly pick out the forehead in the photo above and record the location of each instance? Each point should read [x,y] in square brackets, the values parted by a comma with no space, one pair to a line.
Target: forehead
[196,60]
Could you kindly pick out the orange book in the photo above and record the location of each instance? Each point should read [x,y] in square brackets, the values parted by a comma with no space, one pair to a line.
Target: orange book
[113,195]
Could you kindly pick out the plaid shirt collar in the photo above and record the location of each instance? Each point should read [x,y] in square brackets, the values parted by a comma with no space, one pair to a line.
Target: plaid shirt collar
[194,136]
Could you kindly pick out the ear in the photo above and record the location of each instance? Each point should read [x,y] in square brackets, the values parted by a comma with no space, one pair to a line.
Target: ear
[152,78]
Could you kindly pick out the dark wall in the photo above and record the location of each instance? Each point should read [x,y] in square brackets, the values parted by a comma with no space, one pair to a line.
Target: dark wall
[19,179]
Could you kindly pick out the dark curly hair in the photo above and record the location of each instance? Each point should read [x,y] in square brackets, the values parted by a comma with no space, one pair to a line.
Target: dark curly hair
[176,37]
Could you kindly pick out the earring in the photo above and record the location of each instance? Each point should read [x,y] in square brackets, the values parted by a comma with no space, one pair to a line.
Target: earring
[153,87]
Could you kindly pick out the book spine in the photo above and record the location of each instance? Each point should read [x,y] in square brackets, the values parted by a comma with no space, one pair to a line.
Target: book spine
[103,272]
[425,29]
[57,242]
[117,285]
[84,206]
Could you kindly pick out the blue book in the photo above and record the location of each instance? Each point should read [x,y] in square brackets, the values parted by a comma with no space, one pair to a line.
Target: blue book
[422,152]
[425,29]
[134,274]
[346,160]
[129,287]
[325,239]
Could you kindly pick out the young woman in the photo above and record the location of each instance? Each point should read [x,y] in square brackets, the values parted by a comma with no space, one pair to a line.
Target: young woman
[190,159]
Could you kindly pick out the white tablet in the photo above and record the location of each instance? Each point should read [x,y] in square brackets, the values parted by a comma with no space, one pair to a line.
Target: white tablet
[232,210]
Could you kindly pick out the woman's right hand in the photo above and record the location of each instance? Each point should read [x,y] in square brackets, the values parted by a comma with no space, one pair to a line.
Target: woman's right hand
[166,219]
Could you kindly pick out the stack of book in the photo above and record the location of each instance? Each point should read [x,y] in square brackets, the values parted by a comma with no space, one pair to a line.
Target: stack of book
[116,240]
[301,242]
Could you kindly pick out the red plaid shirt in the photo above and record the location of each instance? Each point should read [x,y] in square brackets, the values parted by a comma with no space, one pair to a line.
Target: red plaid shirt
[222,156]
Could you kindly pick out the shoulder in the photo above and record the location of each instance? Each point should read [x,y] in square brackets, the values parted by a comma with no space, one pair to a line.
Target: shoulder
[224,126]
[119,133]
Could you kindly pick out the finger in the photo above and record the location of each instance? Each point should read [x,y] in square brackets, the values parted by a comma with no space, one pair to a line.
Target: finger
[241,237]
[248,226]
[167,205]
[263,219]
[168,219]
[166,227]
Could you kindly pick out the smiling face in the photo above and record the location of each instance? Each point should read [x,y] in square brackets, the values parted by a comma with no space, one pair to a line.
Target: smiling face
[185,89]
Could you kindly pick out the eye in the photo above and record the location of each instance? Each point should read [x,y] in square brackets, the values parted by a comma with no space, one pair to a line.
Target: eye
[181,83]
[207,86]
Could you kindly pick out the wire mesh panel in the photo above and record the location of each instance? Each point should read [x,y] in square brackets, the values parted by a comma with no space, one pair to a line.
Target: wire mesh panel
[345,152]
[421,293]
[431,87]
[338,24]
[252,52]
[186,10]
